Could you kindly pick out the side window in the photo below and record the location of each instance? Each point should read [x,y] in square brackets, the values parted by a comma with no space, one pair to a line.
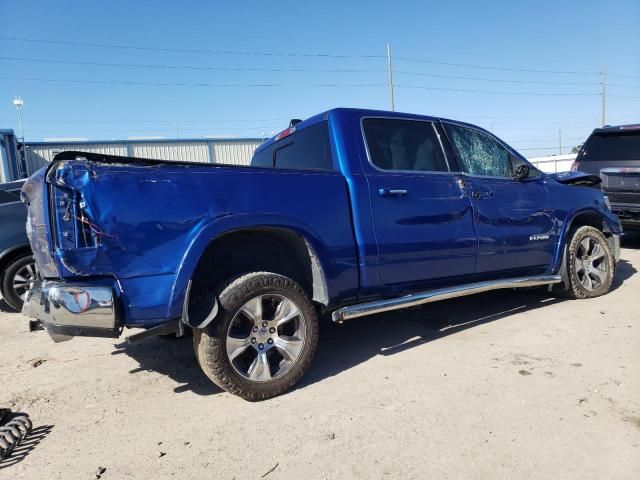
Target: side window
[307,149]
[404,145]
[263,158]
[478,152]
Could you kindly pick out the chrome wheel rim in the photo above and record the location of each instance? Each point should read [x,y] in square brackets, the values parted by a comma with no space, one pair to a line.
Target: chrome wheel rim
[23,278]
[266,337]
[591,263]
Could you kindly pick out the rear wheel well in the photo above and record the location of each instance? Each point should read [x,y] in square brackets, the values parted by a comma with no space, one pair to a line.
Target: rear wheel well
[273,250]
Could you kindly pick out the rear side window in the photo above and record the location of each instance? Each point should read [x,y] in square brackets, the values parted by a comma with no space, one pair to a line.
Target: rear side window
[601,148]
[263,158]
[479,153]
[306,149]
[406,145]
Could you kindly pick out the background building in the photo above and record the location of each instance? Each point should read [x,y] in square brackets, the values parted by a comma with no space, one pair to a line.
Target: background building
[230,151]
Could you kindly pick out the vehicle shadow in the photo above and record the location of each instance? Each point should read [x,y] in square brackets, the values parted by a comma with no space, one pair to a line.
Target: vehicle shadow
[624,271]
[345,346]
[4,307]
[173,357]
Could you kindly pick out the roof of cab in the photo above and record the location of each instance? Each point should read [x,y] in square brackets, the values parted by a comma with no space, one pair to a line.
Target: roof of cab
[634,127]
[358,111]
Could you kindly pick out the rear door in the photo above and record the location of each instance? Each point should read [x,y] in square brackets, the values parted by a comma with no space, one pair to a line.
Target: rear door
[421,217]
[514,219]
[615,157]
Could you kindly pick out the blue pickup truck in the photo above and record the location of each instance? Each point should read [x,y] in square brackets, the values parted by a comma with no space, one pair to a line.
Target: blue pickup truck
[348,213]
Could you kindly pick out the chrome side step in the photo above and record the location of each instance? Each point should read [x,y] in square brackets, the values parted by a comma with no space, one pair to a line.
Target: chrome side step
[379,306]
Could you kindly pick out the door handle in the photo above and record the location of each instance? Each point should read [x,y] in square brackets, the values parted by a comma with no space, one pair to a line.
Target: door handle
[392,192]
[482,195]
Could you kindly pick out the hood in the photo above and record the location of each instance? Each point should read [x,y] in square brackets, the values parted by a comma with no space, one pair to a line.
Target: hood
[576,178]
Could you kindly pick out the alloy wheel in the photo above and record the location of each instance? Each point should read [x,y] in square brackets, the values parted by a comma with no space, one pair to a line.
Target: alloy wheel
[266,337]
[591,263]
[23,278]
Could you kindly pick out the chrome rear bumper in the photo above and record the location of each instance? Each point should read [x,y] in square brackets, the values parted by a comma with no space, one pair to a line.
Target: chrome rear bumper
[68,309]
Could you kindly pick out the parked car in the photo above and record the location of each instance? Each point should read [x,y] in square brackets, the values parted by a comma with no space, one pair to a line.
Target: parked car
[17,267]
[350,212]
[613,153]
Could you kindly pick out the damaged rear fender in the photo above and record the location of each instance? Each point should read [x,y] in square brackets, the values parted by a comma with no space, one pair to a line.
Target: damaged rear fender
[321,267]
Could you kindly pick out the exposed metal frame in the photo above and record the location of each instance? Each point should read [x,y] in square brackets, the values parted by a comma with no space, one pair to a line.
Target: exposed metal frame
[414,299]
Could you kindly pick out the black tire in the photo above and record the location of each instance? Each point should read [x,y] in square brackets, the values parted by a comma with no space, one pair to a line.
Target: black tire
[210,343]
[581,260]
[10,295]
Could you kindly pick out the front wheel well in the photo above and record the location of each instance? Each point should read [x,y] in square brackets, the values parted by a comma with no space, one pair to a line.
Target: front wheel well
[588,219]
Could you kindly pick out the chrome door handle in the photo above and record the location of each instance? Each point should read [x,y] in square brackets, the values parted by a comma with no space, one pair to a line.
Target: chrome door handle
[392,192]
[482,195]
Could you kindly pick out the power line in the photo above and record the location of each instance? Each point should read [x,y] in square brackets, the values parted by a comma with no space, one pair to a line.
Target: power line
[187,50]
[272,85]
[306,55]
[461,77]
[487,67]
[192,67]
[293,70]
[494,91]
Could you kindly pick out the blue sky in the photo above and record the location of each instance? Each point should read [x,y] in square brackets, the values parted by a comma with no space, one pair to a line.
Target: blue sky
[562,36]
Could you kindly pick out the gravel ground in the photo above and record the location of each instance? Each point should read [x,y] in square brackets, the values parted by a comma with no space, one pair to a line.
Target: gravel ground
[501,385]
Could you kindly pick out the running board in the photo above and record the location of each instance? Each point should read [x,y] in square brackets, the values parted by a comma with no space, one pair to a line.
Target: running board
[414,299]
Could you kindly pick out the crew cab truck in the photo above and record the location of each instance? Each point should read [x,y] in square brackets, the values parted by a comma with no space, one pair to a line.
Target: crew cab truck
[346,214]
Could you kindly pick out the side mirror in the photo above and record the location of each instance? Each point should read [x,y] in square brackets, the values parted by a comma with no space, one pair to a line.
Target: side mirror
[521,172]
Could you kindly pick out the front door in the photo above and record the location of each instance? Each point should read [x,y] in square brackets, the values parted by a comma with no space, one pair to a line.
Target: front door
[422,217]
[514,219]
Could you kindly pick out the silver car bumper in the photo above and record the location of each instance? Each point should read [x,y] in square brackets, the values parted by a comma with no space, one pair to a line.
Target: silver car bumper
[68,309]
[614,243]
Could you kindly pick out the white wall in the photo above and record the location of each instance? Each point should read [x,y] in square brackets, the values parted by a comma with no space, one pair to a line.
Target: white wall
[554,163]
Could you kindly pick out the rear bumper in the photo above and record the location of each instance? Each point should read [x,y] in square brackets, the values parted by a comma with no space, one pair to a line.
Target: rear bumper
[69,309]
[628,213]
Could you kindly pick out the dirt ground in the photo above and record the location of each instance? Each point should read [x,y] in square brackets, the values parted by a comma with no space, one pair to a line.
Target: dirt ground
[504,385]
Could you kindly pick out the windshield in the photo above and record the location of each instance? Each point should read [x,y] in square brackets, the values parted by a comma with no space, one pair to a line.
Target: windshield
[613,147]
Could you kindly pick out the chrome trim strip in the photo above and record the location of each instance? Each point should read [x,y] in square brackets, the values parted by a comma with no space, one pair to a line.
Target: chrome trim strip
[414,299]
[620,170]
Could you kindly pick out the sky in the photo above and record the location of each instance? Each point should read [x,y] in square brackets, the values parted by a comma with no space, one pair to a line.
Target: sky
[528,71]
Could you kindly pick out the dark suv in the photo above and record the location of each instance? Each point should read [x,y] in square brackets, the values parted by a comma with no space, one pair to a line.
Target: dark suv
[17,268]
[613,153]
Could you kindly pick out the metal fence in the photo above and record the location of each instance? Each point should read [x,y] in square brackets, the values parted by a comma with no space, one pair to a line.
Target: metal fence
[226,151]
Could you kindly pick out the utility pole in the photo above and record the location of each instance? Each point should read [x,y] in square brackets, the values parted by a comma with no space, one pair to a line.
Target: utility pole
[390,77]
[603,98]
[19,103]
[560,140]
[177,131]
[22,164]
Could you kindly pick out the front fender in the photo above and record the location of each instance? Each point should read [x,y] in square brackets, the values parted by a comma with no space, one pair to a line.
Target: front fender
[226,224]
